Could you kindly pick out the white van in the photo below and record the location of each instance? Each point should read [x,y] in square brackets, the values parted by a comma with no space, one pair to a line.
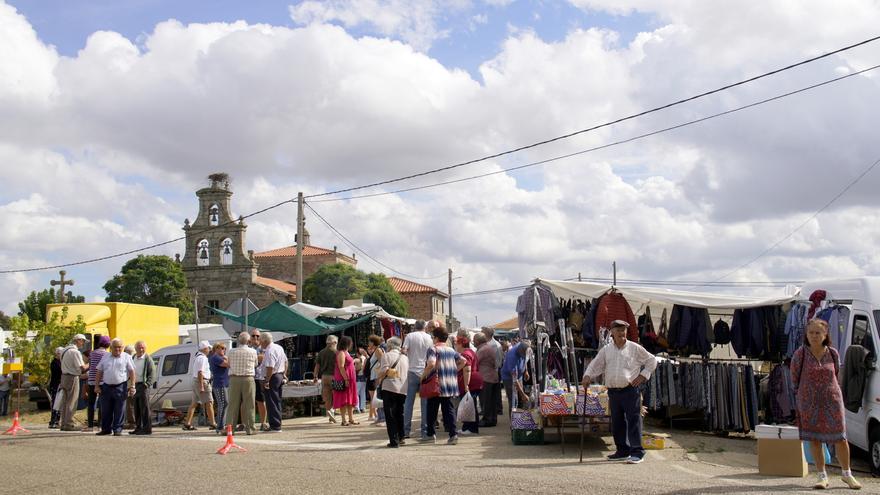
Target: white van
[862,297]
[174,374]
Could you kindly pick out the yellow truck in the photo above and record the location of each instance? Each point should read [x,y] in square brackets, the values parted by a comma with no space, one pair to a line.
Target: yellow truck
[157,326]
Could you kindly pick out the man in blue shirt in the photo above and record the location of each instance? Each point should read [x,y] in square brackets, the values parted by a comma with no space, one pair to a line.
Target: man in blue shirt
[512,373]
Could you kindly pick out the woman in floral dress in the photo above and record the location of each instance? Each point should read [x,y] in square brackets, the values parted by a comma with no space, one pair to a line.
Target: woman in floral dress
[814,370]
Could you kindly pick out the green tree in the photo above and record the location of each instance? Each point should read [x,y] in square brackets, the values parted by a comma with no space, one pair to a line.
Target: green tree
[379,291]
[5,322]
[332,284]
[37,352]
[151,279]
[34,305]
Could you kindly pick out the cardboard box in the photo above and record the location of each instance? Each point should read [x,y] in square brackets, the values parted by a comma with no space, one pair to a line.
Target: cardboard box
[653,441]
[781,458]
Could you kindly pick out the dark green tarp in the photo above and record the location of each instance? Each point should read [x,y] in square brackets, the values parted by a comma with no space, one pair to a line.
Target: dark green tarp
[277,317]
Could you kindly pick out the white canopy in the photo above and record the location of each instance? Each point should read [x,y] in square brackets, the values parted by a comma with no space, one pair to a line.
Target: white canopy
[653,295]
[312,311]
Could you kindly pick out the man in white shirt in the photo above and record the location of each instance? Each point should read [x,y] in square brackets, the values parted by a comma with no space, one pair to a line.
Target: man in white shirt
[274,369]
[625,365]
[71,368]
[114,381]
[201,387]
[415,347]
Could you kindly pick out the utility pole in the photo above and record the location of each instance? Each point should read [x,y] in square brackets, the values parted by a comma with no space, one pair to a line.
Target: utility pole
[300,221]
[196,306]
[449,326]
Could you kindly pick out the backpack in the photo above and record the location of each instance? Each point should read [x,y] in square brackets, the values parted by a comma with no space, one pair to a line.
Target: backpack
[722,332]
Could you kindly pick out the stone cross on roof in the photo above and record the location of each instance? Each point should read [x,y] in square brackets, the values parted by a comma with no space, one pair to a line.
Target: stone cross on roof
[61,295]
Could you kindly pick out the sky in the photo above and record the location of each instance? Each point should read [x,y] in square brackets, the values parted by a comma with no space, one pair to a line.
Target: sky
[113,113]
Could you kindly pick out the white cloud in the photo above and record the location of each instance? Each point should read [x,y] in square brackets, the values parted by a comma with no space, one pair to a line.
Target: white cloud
[101,152]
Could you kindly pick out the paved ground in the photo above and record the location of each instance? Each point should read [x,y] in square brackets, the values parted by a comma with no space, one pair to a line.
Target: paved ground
[312,456]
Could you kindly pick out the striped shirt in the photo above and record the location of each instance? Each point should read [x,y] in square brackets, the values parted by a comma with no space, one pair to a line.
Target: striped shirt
[242,361]
[445,362]
[95,358]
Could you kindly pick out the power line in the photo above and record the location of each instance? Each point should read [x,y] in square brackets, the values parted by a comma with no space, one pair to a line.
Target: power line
[802,225]
[611,144]
[356,248]
[145,248]
[599,126]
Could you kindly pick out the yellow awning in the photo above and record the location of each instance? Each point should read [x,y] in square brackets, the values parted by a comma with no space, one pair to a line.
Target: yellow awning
[93,314]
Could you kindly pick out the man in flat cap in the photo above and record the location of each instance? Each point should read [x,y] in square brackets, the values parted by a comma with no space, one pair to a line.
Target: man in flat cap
[625,365]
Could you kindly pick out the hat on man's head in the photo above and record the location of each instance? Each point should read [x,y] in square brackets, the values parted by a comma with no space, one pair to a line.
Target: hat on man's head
[204,344]
[79,336]
[619,323]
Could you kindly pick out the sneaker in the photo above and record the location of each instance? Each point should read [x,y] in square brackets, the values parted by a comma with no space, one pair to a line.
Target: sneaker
[467,432]
[266,427]
[617,456]
[430,439]
[821,481]
[392,445]
[851,482]
[453,440]
[102,433]
[635,459]
[406,436]
[273,430]
[117,433]
[401,442]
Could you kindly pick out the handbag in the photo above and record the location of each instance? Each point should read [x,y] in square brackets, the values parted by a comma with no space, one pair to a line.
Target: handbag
[338,385]
[430,386]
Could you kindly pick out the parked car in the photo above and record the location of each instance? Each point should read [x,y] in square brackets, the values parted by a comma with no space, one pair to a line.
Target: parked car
[174,374]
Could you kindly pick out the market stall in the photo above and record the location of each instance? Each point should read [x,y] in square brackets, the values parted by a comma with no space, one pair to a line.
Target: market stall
[709,368]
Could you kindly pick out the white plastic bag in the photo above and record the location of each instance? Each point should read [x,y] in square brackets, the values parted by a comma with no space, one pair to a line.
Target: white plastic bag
[377,403]
[59,401]
[467,411]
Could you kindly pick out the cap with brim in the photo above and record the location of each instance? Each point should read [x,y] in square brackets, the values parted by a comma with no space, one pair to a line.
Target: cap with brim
[204,344]
[79,336]
[619,323]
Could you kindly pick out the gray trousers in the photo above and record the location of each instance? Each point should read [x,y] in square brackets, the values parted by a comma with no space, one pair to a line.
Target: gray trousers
[242,393]
[70,386]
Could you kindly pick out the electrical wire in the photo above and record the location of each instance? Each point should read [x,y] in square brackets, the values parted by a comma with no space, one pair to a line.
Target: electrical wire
[145,248]
[608,145]
[599,126]
[802,225]
[356,248]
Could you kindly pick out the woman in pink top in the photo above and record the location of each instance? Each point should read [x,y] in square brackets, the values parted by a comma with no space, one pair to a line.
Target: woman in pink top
[345,400]
[469,380]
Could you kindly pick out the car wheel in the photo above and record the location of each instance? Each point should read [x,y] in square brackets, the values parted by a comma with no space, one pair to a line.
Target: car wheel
[874,450]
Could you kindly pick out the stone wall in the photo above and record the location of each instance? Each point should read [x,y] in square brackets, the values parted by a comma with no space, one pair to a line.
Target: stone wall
[284,267]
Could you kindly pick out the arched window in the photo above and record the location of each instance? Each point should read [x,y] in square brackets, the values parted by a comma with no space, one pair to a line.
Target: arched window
[202,255]
[214,214]
[226,252]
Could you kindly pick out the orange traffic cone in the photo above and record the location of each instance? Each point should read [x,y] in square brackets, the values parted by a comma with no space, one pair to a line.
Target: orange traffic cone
[16,426]
[230,443]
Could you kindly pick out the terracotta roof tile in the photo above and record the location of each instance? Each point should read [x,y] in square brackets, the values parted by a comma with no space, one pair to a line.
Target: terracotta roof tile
[290,251]
[276,284]
[408,287]
[507,324]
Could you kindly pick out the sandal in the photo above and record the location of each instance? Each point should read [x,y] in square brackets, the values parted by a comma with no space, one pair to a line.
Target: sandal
[189,428]
[344,423]
[353,423]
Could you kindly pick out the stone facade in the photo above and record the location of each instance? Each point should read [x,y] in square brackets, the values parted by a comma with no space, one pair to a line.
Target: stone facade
[280,263]
[425,302]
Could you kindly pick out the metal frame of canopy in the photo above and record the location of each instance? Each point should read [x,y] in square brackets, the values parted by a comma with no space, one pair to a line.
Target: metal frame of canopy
[278,317]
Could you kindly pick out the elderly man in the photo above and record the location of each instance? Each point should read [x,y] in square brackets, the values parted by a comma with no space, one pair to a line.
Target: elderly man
[499,362]
[274,369]
[625,365]
[114,381]
[325,363]
[144,377]
[258,380]
[201,387]
[242,362]
[72,367]
[415,347]
[513,371]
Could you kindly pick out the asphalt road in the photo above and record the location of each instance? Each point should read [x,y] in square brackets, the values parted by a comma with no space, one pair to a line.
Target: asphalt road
[312,456]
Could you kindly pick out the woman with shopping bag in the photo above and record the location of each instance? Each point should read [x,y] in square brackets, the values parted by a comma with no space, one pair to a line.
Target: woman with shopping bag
[470,383]
[393,369]
[814,370]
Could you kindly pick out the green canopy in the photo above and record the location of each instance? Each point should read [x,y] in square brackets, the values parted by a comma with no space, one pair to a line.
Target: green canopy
[278,317]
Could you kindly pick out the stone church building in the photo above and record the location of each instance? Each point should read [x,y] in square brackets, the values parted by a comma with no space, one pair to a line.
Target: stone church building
[222,270]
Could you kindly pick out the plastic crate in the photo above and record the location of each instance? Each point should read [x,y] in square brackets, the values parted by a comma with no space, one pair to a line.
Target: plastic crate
[527,437]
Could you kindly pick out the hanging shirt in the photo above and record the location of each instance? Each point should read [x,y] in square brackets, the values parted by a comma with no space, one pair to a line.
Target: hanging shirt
[613,306]
[621,366]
